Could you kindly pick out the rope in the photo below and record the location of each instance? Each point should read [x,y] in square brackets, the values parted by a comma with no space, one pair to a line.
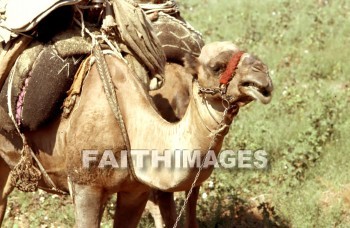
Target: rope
[108,86]
[112,98]
[170,6]
[82,25]
[25,176]
[221,127]
[113,46]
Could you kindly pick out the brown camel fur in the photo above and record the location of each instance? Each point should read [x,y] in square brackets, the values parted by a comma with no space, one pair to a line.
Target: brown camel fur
[92,126]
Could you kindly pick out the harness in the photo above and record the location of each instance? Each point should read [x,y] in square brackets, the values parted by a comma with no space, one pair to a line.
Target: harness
[136,37]
[225,78]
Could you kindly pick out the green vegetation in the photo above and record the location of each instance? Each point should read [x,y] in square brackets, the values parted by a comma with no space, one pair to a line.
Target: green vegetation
[305,129]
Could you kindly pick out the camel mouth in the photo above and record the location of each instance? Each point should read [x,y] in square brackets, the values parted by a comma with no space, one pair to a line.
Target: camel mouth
[250,91]
[256,91]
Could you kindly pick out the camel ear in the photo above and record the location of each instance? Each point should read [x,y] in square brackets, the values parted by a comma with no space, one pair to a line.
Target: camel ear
[191,64]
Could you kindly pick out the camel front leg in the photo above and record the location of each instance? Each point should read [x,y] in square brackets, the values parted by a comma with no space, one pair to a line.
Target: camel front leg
[89,202]
[3,205]
[5,188]
[162,207]
[153,208]
[191,219]
[129,208]
[166,203]
[167,206]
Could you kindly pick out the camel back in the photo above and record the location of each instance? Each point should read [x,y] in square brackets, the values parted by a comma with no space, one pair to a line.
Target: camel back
[44,71]
[124,19]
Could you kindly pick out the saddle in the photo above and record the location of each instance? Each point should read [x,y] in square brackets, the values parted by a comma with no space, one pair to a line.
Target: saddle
[22,16]
[178,37]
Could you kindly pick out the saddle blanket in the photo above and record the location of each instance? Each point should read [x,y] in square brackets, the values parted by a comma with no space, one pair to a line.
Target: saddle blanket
[41,77]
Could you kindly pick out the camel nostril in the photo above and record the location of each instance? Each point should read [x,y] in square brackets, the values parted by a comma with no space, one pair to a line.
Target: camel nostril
[262,89]
[247,84]
[265,92]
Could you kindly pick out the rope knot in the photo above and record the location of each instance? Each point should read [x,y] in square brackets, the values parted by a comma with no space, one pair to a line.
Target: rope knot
[25,176]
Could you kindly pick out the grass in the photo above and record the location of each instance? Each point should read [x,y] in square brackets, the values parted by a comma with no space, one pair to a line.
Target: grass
[305,129]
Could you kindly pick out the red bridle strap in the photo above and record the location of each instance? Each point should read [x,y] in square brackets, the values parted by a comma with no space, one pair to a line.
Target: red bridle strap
[227,76]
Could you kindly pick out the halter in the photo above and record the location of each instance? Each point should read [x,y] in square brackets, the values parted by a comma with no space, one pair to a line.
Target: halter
[225,77]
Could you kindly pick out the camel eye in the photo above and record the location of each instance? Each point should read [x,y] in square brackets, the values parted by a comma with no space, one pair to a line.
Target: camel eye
[217,69]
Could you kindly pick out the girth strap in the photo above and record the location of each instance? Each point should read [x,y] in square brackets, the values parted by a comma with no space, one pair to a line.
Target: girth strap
[108,86]
[112,98]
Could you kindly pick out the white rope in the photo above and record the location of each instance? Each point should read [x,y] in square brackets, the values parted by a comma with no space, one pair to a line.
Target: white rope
[9,100]
[82,24]
[150,7]
[113,46]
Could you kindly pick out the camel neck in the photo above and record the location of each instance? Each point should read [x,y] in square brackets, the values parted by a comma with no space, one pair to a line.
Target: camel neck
[189,135]
[194,131]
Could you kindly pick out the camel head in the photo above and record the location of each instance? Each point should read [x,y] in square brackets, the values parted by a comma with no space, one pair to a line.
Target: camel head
[237,77]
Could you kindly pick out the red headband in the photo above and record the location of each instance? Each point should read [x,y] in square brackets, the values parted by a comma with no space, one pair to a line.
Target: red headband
[227,76]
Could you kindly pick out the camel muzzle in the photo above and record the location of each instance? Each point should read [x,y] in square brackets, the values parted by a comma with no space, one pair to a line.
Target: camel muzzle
[257,88]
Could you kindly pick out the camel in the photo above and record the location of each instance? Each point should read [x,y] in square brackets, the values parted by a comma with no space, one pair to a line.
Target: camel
[92,126]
